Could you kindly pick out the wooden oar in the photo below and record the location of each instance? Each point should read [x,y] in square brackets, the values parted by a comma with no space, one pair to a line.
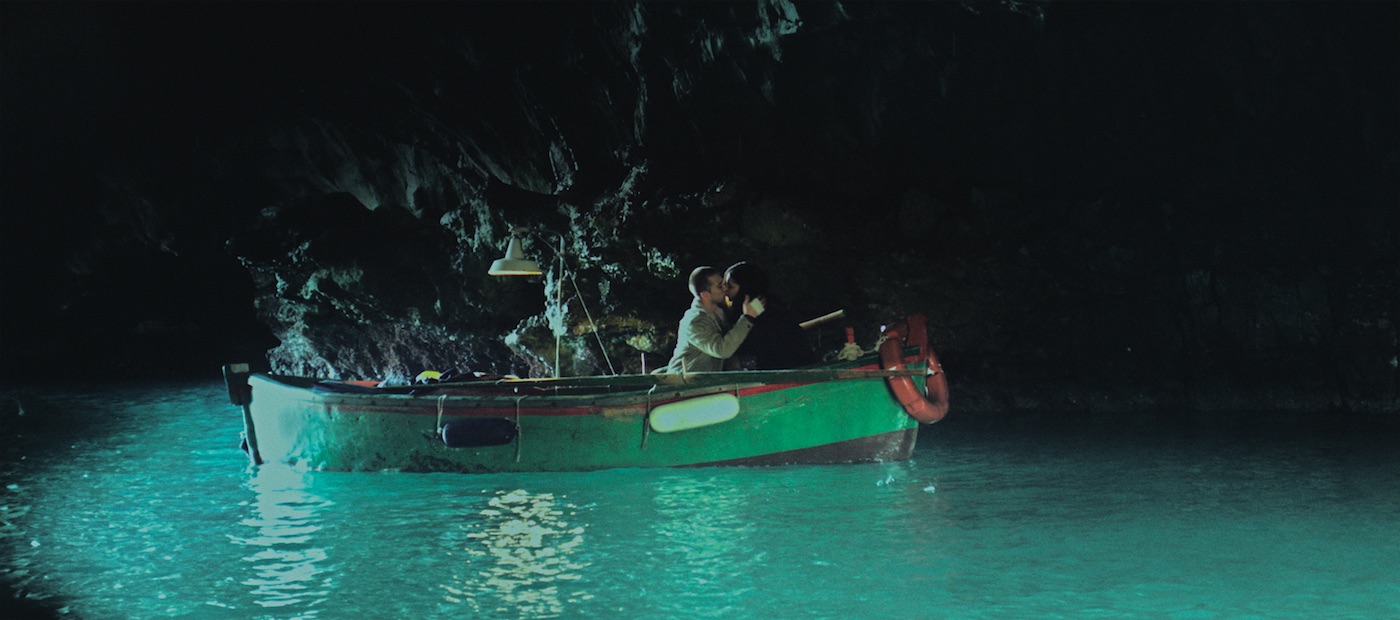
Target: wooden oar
[823,319]
[236,378]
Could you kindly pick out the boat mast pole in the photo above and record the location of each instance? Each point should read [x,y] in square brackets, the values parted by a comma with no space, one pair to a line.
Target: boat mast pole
[559,303]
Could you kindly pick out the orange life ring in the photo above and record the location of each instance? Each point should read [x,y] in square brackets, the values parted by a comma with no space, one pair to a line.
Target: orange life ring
[930,405]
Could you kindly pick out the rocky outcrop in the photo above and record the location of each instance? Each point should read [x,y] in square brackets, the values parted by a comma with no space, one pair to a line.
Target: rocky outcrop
[1100,206]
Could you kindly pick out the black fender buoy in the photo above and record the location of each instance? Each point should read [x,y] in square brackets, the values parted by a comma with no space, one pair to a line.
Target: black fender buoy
[479,432]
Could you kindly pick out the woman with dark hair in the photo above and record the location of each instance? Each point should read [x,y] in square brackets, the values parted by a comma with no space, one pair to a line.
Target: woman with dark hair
[776,340]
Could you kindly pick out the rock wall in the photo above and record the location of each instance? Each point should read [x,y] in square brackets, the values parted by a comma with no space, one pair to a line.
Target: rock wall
[1099,205]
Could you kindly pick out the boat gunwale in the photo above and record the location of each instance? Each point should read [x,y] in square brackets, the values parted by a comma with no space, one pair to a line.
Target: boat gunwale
[866,366]
[547,399]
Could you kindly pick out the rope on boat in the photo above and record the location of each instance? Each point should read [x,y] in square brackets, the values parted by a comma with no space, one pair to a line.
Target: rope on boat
[646,418]
[439,423]
[597,335]
[519,433]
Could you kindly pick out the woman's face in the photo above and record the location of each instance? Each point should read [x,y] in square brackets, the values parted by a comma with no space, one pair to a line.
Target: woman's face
[731,290]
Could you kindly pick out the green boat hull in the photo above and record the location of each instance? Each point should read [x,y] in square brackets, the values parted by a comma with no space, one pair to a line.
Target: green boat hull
[783,417]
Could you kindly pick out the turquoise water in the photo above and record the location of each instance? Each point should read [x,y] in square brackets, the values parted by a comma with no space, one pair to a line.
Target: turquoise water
[135,502]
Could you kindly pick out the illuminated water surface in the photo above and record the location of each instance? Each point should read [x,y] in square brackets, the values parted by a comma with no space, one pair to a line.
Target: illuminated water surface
[135,502]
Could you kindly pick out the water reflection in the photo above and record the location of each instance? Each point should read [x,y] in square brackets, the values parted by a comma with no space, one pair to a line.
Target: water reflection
[289,567]
[522,552]
[706,525]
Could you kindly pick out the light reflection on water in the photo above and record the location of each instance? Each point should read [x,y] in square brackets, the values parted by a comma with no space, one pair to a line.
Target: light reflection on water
[520,555]
[136,503]
[288,562]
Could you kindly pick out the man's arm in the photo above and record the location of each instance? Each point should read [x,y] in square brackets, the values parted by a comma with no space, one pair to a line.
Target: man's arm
[706,336]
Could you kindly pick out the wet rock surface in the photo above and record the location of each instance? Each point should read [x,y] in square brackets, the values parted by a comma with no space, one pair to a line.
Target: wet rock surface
[1099,206]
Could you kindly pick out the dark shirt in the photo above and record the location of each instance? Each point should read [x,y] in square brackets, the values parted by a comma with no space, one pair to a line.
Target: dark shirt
[776,341]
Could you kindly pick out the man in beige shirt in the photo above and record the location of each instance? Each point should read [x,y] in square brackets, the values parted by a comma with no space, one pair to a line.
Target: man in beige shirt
[704,341]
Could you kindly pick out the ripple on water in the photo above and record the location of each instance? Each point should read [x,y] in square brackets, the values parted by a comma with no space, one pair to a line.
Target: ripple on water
[136,502]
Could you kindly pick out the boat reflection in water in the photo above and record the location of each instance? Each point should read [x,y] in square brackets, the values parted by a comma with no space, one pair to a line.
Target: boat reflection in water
[290,568]
[521,557]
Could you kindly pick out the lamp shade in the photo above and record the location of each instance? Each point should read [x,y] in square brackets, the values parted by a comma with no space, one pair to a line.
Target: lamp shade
[514,263]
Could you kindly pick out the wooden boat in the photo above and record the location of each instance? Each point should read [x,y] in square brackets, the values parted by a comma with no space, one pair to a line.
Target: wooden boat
[866,409]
